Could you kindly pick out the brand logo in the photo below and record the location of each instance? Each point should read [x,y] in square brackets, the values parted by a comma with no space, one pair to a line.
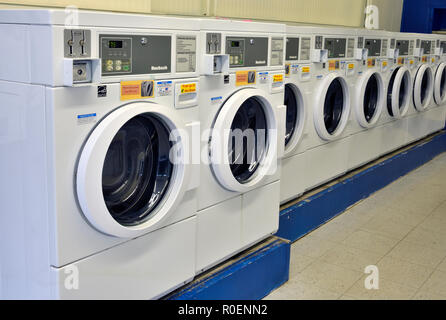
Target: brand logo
[293,57]
[260,61]
[158,68]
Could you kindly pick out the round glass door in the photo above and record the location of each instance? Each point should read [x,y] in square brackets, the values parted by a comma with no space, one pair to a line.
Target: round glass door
[398,92]
[243,145]
[440,84]
[331,111]
[333,106]
[137,169]
[131,173]
[371,96]
[245,153]
[292,113]
[423,85]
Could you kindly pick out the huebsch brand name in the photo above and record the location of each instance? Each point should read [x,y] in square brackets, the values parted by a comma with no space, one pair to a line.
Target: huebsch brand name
[157,68]
[293,57]
[260,61]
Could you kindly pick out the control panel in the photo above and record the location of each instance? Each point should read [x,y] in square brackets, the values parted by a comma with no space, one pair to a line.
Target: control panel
[374,47]
[403,47]
[292,49]
[247,51]
[426,46]
[335,47]
[135,54]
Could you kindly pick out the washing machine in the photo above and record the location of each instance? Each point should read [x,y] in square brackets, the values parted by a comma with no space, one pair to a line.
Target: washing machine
[393,121]
[297,100]
[435,112]
[242,120]
[368,96]
[440,89]
[332,73]
[419,124]
[98,191]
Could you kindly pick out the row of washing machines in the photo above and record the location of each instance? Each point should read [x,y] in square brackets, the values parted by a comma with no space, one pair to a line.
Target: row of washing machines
[120,173]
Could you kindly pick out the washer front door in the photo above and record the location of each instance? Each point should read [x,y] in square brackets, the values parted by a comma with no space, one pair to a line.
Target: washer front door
[243,146]
[369,99]
[398,92]
[422,87]
[295,116]
[332,107]
[440,84]
[128,178]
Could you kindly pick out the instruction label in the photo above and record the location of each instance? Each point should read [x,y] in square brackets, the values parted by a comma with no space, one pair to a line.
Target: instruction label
[188,87]
[263,77]
[164,88]
[139,89]
[86,118]
[305,69]
[333,65]
[243,78]
[186,53]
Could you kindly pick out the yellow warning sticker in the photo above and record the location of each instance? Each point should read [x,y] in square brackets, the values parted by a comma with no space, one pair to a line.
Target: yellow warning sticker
[278,78]
[305,69]
[411,62]
[384,64]
[333,65]
[139,89]
[351,66]
[243,78]
[400,60]
[433,60]
[188,87]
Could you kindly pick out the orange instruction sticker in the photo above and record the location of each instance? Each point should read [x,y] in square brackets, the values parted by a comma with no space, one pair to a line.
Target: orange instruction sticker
[140,89]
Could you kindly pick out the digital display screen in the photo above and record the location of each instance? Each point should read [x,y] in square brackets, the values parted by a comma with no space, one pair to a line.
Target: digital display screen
[115,44]
[235,44]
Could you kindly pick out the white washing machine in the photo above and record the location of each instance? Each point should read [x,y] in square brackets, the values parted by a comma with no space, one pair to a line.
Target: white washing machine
[419,124]
[440,89]
[98,193]
[393,121]
[331,76]
[242,127]
[368,96]
[435,112]
[298,88]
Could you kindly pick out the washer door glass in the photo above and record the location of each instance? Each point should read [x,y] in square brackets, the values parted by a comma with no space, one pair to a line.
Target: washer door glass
[440,89]
[333,106]
[401,94]
[371,95]
[292,112]
[443,83]
[248,145]
[137,169]
[424,89]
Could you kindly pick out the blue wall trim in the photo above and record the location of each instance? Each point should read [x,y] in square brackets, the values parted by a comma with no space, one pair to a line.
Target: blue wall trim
[422,16]
[250,278]
[307,215]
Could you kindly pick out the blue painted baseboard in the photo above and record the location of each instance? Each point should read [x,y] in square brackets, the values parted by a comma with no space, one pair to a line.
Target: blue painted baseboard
[255,274]
[251,277]
[307,215]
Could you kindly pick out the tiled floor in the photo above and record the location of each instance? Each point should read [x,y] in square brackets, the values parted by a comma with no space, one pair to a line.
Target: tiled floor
[401,229]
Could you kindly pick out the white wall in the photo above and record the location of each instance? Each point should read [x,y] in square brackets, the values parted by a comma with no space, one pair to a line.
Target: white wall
[334,12]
